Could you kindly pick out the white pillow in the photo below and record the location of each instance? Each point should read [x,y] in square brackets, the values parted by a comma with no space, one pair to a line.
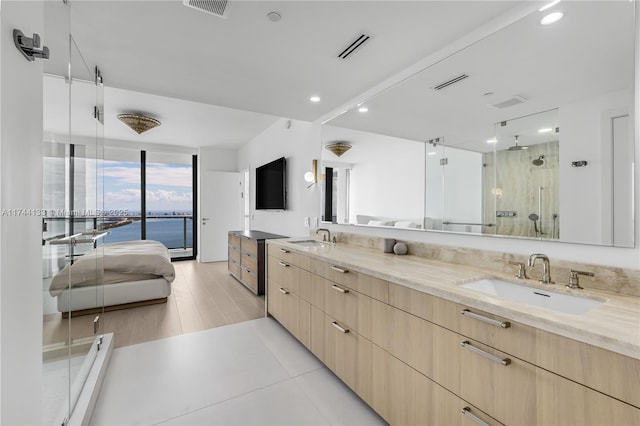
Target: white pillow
[380,223]
[406,224]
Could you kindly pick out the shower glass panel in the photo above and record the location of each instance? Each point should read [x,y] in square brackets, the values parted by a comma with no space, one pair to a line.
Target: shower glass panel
[72,201]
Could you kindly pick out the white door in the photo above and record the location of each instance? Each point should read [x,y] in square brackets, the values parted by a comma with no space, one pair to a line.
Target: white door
[220,212]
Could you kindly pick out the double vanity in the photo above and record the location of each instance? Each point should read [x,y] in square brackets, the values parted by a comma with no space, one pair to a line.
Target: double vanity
[424,341]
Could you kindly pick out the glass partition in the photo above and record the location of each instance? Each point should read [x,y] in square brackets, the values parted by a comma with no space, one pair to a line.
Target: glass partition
[72,202]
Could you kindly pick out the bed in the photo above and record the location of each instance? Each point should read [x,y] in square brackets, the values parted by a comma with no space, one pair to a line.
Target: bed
[134,273]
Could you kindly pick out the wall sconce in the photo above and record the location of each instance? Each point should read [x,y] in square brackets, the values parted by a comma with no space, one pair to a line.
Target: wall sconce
[312,177]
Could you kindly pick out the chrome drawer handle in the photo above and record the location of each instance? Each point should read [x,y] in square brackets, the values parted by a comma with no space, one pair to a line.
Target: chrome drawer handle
[501,324]
[283,291]
[503,361]
[339,269]
[284,250]
[340,289]
[467,412]
[286,265]
[339,327]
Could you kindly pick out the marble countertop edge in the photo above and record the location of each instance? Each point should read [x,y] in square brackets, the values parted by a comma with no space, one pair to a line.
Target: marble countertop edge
[615,325]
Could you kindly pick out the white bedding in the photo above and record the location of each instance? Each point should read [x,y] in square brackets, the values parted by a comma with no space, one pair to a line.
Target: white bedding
[116,263]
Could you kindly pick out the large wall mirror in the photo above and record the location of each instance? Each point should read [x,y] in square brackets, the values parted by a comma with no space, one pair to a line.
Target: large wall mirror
[527,133]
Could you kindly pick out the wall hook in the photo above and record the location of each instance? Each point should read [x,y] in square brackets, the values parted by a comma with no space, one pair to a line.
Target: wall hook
[29,46]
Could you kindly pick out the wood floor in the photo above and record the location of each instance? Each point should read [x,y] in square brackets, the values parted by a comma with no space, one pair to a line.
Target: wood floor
[203,296]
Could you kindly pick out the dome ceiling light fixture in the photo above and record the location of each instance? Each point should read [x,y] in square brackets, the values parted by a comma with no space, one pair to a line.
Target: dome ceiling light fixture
[338,148]
[138,122]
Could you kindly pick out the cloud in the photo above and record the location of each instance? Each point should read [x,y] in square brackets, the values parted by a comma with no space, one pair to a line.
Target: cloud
[157,174]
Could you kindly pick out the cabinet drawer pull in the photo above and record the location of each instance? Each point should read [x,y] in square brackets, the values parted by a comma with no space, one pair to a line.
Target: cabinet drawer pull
[501,324]
[340,289]
[467,412]
[284,251]
[283,291]
[339,327]
[286,265]
[467,345]
[339,269]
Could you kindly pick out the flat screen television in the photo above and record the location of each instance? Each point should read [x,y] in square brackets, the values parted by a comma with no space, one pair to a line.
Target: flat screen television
[271,189]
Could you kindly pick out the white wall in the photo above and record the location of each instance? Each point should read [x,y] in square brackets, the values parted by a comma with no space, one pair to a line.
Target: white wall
[211,159]
[585,192]
[300,144]
[20,236]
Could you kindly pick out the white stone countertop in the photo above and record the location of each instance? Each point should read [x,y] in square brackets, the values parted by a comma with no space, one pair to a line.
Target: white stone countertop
[614,325]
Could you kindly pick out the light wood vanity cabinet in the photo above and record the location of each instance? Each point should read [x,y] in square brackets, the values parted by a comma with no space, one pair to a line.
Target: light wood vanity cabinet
[420,359]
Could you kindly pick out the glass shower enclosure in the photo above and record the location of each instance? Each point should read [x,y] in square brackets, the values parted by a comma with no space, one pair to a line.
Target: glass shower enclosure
[72,203]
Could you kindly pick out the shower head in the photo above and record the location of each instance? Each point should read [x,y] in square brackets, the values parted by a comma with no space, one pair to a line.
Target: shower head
[517,147]
[534,217]
[538,161]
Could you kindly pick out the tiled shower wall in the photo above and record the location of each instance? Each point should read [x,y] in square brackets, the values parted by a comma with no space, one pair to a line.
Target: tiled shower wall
[517,190]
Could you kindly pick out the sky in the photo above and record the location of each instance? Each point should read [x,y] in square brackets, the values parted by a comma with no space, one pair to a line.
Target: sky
[169,187]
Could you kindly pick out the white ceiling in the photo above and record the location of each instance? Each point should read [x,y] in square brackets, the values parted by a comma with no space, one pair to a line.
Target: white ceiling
[590,52]
[245,62]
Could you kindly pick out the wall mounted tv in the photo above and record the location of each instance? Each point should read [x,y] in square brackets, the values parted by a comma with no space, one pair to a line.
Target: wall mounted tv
[271,185]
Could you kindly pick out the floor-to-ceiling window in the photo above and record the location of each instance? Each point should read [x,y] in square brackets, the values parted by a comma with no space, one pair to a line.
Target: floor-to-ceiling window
[149,195]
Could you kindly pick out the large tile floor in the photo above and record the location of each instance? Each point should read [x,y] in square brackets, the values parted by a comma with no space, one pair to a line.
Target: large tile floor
[250,373]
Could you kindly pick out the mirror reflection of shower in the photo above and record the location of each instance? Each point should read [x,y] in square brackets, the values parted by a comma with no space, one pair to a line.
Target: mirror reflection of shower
[526,165]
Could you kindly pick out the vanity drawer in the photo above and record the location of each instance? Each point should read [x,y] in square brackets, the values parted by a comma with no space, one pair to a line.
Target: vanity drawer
[341,303]
[249,246]
[282,273]
[336,273]
[249,262]
[373,287]
[509,336]
[349,356]
[403,396]
[300,260]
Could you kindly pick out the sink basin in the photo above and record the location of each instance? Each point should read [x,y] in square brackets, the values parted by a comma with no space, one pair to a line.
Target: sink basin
[565,303]
[310,243]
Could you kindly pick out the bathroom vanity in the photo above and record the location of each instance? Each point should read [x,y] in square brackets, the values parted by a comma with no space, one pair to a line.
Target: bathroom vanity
[420,349]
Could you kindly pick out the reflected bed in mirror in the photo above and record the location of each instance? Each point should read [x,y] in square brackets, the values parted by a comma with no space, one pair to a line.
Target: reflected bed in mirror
[527,133]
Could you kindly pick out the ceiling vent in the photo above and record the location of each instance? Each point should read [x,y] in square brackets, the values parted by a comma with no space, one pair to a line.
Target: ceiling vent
[356,44]
[515,100]
[451,81]
[219,8]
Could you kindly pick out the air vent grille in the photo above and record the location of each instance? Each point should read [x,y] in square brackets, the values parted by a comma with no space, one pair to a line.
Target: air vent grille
[515,100]
[451,81]
[356,44]
[214,7]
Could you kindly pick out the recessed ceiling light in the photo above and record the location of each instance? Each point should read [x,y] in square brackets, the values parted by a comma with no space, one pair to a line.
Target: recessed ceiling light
[431,153]
[545,130]
[494,140]
[551,18]
[273,16]
[363,109]
[315,99]
[547,6]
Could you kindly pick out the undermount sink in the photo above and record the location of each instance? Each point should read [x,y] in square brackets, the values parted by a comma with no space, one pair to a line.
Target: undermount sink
[565,303]
[310,243]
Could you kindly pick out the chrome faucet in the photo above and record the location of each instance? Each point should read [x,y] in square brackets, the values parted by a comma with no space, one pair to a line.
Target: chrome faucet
[326,237]
[546,274]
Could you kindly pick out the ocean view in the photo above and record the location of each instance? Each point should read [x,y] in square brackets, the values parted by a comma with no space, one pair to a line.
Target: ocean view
[169,231]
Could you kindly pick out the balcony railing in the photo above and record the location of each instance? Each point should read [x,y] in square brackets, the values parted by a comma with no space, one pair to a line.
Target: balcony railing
[175,239]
